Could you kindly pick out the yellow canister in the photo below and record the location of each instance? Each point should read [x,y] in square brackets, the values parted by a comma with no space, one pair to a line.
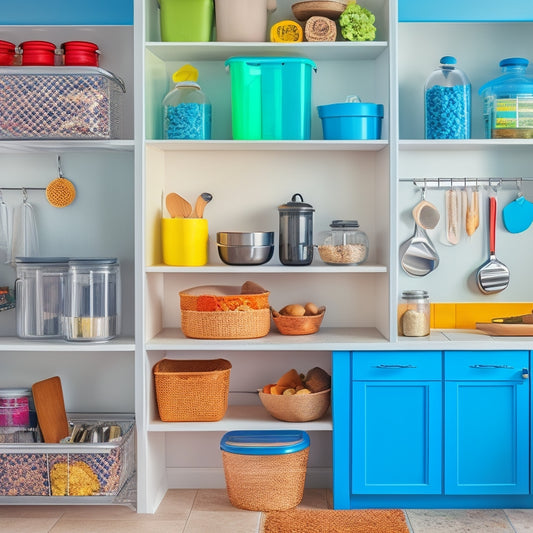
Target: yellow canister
[184,241]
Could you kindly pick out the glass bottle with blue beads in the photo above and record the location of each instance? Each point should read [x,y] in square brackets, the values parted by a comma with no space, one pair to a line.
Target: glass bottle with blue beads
[187,110]
[447,104]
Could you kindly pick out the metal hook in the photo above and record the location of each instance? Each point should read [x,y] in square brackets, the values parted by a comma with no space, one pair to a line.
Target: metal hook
[59,170]
[519,186]
[24,194]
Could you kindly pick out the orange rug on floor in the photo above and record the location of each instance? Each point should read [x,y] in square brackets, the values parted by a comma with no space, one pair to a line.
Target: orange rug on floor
[331,521]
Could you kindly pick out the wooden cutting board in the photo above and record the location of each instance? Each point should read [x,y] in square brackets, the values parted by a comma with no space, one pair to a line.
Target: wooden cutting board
[50,408]
[506,330]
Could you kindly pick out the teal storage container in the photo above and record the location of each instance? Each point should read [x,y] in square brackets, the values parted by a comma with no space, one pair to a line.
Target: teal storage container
[186,20]
[270,97]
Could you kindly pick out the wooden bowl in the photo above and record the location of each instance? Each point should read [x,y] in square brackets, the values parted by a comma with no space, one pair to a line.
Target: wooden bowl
[298,325]
[297,407]
[305,10]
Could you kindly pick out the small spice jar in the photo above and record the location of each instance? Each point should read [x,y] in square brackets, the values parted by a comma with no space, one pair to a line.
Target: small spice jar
[38,53]
[80,53]
[8,53]
[414,314]
[343,244]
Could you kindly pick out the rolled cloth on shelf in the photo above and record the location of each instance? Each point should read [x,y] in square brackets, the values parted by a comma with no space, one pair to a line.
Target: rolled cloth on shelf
[320,29]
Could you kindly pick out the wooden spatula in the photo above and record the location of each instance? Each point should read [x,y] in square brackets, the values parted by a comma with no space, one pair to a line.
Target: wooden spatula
[50,407]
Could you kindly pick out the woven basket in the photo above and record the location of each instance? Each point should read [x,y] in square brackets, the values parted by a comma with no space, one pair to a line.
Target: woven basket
[225,324]
[192,390]
[297,407]
[265,482]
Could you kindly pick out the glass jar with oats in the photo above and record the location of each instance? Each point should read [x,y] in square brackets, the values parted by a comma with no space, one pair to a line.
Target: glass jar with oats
[414,314]
[343,244]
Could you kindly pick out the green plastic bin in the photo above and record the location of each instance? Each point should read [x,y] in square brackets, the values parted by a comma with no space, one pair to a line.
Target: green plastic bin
[270,97]
[186,20]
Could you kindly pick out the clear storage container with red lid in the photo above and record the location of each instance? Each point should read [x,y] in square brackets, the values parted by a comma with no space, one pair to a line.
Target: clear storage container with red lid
[8,52]
[38,53]
[80,53]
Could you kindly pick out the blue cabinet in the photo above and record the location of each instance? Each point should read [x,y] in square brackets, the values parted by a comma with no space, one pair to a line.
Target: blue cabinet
[397,423]
[431,429]
[486,423]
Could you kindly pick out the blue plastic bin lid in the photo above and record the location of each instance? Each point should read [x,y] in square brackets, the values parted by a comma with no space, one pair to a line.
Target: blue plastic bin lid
[350,109]
[512,82]
[272,442]
[448,60]
[39,260]
[256,61]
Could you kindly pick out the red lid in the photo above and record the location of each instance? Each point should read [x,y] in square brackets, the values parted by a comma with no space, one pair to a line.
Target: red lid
[80,53]
[6,46]
[41,45]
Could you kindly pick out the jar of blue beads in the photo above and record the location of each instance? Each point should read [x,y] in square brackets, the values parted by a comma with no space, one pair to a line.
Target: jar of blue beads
[447,95]
[187,110]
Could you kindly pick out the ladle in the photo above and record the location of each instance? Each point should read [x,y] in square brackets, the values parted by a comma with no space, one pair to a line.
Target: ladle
[493,276]
[201,202]
[418,256]
[177,206]
[426,215]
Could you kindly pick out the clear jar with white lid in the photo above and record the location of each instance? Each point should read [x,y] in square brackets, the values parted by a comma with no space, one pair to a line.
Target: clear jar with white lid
[343,244]
[414,313]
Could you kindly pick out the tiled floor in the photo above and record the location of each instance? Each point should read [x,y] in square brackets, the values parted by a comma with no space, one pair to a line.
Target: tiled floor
[206,511]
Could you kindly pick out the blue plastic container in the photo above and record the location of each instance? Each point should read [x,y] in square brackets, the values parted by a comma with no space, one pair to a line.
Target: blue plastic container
[270,97]
[508,102]
[351,121]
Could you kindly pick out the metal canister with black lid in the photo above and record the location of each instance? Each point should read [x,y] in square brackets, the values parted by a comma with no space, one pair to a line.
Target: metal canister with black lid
[296,232]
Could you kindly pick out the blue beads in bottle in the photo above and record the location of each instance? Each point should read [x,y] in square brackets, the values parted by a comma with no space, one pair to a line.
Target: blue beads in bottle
[187,110]
[447,94]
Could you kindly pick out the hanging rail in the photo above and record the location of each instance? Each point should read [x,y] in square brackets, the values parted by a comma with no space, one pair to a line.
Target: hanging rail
[439,183]
[22,188]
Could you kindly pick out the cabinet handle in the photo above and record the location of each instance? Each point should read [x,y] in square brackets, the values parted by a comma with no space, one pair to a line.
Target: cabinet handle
[492,366]
[395,366]
[525,373]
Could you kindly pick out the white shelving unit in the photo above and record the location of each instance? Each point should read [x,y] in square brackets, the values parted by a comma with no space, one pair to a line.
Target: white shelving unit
[249,180]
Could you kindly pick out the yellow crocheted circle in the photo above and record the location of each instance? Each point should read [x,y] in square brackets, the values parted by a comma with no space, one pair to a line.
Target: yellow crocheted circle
[60,192]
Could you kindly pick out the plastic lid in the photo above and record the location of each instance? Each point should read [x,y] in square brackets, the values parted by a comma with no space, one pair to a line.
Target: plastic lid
[270,60]
[344,224]
[295,205]
[514,61]
[84,261]
[32,260]
[15,393]
[448,60]
[415,294]
[274,442]
[185,73]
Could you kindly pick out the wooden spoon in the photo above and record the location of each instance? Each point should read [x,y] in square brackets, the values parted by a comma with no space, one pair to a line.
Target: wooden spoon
[50,407]
[201,202]
[472,214]
[177,206]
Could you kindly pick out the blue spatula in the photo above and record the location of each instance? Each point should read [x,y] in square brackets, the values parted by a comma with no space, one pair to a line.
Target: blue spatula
[518,215]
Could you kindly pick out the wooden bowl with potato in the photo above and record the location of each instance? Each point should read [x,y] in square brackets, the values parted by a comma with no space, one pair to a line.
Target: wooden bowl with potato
[298,319]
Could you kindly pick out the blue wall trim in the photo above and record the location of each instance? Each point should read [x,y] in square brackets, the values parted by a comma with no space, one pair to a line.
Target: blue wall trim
[68,12]
[465,11]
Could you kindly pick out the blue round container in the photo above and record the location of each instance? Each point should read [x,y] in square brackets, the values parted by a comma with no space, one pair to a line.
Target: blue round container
[272,442]
[351,121]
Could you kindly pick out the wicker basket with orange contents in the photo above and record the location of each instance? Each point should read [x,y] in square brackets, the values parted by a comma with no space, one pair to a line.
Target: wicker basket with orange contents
[225,312]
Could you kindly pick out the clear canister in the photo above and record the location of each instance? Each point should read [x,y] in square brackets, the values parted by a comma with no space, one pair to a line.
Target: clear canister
[187,113]
[93,299]
[40,290]
[16,408]
[296,232]
[414,313]
[343,244]
[508,102]
[447,95]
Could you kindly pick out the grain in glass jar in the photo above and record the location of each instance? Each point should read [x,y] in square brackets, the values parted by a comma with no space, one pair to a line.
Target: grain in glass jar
[414,314]
[343,244]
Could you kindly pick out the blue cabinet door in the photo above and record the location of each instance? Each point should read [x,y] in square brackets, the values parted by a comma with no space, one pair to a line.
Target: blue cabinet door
[396,437]
[487,437]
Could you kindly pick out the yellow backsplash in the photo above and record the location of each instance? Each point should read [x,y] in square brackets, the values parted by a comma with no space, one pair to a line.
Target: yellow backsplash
[465,315]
